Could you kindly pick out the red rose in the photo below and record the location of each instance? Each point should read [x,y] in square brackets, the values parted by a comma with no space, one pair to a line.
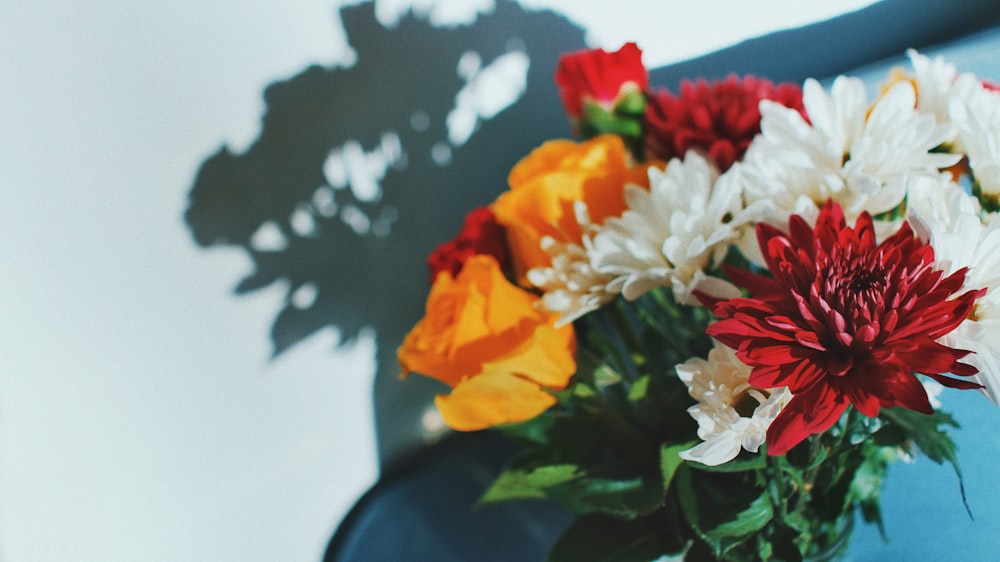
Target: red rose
[480,234]
[599,77]
[718,119]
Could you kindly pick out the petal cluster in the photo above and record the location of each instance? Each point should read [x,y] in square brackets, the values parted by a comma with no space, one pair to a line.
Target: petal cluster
[964,241]
[571,287]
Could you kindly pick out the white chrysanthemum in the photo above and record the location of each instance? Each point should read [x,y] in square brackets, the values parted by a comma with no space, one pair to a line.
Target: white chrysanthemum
[859,157]
[940,87]
[976,118]
[961,239]
[971,111]
[670,233]
[935,80]
[571,287]
[934,199]
[726,422]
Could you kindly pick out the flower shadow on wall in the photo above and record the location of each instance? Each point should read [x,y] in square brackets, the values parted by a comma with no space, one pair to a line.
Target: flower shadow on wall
[359,172]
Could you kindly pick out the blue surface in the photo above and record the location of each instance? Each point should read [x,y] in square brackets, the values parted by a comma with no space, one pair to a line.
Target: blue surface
[923,511]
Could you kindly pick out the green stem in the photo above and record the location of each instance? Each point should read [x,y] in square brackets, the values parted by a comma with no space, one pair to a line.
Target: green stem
[809,478]
[609,329]
[777,486]
[630,437]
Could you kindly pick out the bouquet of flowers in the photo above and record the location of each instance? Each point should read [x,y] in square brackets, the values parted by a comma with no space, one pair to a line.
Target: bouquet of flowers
[717,318]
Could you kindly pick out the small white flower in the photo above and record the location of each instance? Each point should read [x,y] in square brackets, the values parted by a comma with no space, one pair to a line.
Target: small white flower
[671,233]
[936,200]
[725,422]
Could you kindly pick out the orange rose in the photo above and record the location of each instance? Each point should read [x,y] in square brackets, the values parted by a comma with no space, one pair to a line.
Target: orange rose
[545,185]
[483,337]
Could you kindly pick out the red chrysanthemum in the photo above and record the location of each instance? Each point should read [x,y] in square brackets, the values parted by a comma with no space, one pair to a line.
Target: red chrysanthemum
[844,321]
[720,118]
[480,234]
[599,76]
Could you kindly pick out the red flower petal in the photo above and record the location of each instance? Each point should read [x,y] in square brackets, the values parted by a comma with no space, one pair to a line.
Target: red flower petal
[480,234]
[719,119]
[599,76]
[804,415]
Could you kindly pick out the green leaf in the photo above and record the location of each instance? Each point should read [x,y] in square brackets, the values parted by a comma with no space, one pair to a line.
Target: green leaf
[605,375]
[583,391]
[926,432]
[750,520]
[866,486]
[723,509]
[529,484]
[623,497]
[637,391]
[670,461]
[534,430]
[602,537]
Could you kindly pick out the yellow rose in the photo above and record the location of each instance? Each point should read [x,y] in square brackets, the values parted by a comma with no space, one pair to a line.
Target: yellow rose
[545,185]
[484,337]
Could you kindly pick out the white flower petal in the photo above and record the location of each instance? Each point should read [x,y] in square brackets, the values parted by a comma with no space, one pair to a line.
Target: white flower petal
[720,384]
[669,235]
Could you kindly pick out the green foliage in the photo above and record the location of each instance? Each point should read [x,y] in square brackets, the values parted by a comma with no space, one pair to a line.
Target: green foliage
[866,486]
[723,509]
[637,391]
[533,483]
[606,538]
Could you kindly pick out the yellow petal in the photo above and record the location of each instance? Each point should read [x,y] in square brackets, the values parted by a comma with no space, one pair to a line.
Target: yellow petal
[492,397]
[546,358]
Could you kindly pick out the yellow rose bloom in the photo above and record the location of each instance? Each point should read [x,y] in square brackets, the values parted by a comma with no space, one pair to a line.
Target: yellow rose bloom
[545,185]
[484,337]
